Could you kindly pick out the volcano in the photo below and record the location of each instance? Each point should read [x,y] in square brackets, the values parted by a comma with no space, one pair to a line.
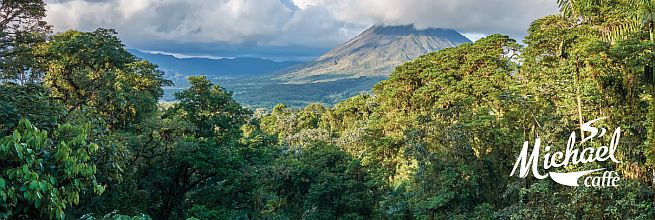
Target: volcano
[373,53]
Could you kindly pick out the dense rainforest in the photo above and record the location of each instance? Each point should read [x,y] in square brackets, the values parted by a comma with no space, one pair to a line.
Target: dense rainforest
[82,135]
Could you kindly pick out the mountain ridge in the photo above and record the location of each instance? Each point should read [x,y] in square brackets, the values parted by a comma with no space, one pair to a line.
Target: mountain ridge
[178,69]
[373,53]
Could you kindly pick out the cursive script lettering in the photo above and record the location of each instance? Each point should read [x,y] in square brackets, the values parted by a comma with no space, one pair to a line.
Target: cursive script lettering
[572,155]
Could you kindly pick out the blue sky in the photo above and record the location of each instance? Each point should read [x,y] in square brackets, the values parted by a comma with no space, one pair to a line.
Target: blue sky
[282,29]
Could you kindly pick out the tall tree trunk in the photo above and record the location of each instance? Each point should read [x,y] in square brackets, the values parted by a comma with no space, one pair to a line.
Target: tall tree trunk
[176,194]
[650,78]
[578,99]
[648,72]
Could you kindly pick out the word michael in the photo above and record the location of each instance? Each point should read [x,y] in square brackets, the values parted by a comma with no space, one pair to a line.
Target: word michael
[572,155]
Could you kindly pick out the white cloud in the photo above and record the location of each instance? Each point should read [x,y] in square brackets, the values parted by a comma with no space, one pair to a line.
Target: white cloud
[223,21]
[303,4]
[510,17]
[474,36]
[286,23]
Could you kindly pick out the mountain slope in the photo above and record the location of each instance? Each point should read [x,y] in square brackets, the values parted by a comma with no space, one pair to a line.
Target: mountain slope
[374,53]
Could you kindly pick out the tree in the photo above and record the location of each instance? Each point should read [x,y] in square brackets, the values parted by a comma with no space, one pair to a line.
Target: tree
[30,101]
[44,174]
[21,29]
[211,109]
[455,113]
[578,73]
[93,70]
[319,182]
[193,148]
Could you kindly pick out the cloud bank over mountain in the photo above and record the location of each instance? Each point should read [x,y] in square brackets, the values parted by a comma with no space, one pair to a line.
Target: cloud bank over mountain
[286,29]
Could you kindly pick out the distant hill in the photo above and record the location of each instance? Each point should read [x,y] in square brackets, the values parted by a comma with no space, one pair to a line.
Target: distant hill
[178,69]
[374,53]
[347,70]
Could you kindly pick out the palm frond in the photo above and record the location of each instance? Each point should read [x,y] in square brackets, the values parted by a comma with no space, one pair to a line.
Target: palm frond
[621,30]
[567,7]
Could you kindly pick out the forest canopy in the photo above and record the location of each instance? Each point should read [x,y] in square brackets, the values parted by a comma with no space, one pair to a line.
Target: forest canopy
[82,134]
